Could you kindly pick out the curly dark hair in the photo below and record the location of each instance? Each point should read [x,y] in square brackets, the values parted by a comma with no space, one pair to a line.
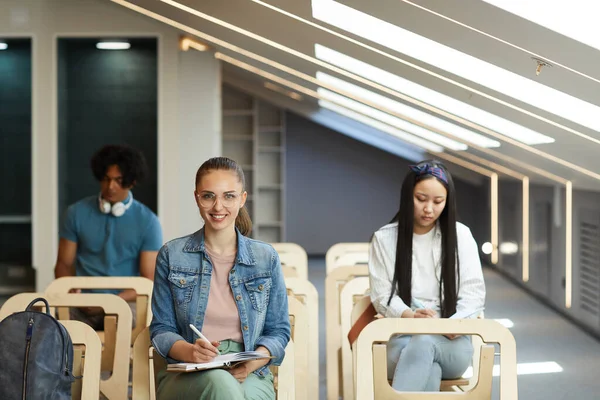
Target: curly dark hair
[130,161]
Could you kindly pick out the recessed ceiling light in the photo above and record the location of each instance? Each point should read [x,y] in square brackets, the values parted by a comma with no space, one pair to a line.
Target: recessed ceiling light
[113,45]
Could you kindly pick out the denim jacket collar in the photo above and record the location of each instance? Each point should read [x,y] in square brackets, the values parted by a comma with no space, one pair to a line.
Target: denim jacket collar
[244,251]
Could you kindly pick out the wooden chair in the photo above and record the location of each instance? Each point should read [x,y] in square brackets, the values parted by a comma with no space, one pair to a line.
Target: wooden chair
[294,260]
[352,291]
[464,385]
[334,282]
[300,335]
[307,294]
[142,286]
[87,388]
[285,378]
[339,249]
[358,258]
[116,386]
[147,362]
[371,356]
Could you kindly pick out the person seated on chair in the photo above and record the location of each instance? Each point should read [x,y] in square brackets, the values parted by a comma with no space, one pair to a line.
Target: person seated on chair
[424,264]
[110,234]
[230,287]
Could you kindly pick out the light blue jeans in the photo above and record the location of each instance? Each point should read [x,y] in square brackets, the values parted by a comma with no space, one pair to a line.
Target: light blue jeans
[419,363]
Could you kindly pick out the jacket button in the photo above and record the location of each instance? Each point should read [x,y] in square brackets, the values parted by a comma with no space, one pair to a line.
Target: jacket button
[260,287]
[182,281]
[245,327]
[232,271]
[238,297]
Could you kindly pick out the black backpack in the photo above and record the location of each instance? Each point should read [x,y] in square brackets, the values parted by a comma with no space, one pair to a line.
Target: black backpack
[36,356]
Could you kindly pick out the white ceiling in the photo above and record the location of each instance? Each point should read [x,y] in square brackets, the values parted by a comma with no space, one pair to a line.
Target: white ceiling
[523,38]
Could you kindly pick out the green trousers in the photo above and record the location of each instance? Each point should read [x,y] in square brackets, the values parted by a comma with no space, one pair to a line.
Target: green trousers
[214,384]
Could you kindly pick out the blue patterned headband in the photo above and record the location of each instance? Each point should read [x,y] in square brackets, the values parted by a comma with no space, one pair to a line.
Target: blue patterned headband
[428,169]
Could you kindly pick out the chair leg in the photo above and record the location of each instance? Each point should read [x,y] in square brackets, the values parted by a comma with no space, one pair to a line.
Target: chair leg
[110,339]
[76,387]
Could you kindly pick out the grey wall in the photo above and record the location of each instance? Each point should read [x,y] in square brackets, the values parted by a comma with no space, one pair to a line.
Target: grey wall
[341,190]
[15,150]
[105,97]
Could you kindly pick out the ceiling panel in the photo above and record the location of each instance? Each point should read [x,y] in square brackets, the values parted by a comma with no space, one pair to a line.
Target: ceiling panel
[301,37]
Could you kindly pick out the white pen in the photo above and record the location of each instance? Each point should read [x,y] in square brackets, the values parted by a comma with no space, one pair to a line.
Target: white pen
[418,304]
[201,336]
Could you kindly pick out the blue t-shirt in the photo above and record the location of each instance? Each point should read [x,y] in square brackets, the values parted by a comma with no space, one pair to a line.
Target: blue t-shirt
[109,245]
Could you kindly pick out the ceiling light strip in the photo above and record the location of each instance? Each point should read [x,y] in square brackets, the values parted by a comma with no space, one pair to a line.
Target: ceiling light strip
[569,244]
[406,110]
[469,27]
[375,85]
[525,232]
[417,67]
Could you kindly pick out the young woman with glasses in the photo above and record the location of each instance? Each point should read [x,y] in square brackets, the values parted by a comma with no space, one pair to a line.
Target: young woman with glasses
[425,264]
[230,287]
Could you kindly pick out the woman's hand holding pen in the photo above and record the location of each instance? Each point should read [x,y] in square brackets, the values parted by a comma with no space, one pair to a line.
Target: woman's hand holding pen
[203,351]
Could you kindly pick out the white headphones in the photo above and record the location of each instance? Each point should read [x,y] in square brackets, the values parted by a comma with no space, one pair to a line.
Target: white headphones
[117,209]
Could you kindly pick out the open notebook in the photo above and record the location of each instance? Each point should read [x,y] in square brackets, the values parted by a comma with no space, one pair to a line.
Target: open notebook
[224,361]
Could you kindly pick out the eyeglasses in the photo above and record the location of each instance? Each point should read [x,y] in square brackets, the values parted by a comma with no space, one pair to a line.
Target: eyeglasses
[208,200]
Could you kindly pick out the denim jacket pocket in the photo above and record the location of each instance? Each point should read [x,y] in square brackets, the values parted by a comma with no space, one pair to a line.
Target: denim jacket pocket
[182,285]
[258,291]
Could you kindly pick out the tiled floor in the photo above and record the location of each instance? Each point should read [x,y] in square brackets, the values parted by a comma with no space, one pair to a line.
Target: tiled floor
[540,333]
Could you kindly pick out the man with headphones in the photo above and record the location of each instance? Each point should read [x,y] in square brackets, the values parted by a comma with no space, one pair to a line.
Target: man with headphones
[110,234]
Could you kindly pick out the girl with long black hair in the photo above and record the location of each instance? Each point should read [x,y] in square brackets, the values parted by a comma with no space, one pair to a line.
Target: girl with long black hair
[424,264]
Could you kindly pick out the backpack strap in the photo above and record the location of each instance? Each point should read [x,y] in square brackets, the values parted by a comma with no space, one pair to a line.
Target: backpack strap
[30,306]
[368,316]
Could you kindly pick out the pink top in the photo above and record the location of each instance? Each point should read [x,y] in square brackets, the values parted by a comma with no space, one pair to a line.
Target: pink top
[221,320]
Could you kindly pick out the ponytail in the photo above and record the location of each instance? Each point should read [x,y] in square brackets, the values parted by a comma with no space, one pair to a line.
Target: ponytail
[243,222]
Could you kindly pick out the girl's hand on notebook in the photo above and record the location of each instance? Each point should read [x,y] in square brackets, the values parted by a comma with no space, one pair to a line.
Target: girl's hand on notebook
[424,313]
[202,351]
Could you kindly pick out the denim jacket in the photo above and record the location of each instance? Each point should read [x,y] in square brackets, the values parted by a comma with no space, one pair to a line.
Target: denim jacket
[181,287]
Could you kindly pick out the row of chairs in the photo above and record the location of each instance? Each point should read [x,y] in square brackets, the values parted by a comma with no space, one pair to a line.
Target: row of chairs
[298,377]
[346,291]
[118,344]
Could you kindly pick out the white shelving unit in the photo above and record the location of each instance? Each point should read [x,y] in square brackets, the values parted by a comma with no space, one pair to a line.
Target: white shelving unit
[254,136]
